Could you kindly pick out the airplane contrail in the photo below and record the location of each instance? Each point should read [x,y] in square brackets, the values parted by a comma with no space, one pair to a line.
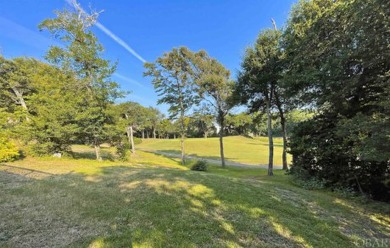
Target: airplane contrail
[129,80]
[108,32]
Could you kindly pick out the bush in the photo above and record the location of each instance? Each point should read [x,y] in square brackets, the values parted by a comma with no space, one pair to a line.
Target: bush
[8,151]
[321,154]
[48,149]
[311,184]
[137,141]
[200,165]
[122,151]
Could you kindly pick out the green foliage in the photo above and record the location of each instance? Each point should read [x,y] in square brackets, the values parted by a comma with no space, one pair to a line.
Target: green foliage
[53,105]
[82,55]
[8,150]
[341,66]
[318,152]
[122,151]
[172,77]
[239,124]
[137,141]
[214,85]
[200,165]
[260,71]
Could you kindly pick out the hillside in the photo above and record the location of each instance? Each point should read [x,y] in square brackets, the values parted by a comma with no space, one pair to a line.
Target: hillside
[152,201]
[252,151]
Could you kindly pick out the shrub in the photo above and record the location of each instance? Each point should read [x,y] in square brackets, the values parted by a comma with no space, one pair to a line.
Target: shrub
[311,184]
[323,154]
[137,141]
[122,151]
[48,148]
[200,165]
[8,150]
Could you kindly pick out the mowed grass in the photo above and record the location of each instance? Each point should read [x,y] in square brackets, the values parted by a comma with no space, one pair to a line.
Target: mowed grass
[153,201]
[239,149]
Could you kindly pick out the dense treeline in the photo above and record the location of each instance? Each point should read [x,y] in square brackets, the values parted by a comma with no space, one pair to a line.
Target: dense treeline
[333,57]
[337,59]
[321,83]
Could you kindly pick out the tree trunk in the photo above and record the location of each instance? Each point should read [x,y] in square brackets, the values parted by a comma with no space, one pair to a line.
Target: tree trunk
[221,124]
[205,134]
[130,134]
[143,134]
[270,139]
[20,100]
[183,158]
[97,152]
[284,154]
[284,129]
[154,133]
[182,127]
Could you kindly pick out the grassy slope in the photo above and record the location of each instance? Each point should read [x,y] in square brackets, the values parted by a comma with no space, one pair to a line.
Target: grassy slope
[237,148]
[65,202]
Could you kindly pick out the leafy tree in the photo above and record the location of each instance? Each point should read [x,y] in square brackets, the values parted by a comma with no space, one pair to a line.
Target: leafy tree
[240,123]
[216,89]
[259,77]
[338,61]
[15,84]
[154,117]
[165,128]
[53,127]
[203,121]
[81,55]
[44,96]
[132,115]
[172,77]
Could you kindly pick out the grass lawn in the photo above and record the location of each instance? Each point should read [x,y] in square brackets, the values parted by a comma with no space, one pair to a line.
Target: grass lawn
[237,148]
[152,201]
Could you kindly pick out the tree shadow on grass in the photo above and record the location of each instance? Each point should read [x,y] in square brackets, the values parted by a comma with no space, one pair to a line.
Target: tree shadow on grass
[90,154]
[176,153]
[127,206]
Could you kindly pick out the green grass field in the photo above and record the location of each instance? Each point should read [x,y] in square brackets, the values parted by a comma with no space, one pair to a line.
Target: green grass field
[153,201]
[240,149]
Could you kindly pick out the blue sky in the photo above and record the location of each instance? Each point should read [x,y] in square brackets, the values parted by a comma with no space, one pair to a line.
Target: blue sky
[149,28]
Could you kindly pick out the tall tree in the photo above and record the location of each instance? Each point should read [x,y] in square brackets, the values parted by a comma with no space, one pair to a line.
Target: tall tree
[239,123]
[154,117]
[82,54]
[44,96]
[338,61]
[53,127]
[173,79]
[216,88]
[258,78]
[133,117]
[203,120]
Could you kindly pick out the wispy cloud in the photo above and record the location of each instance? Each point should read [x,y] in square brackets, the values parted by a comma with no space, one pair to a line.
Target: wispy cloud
[108,32]
[129,80]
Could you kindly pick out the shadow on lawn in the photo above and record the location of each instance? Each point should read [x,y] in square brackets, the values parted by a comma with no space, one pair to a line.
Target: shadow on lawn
[127,206]
[87,154]
[168,153]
